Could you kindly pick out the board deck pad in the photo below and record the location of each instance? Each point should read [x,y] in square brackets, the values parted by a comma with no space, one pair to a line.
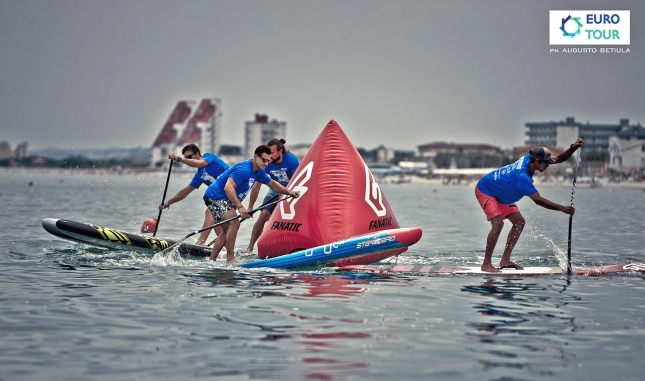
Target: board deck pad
[527,271]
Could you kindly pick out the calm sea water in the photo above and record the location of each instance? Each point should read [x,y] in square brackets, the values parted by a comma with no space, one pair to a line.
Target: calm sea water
[75,312]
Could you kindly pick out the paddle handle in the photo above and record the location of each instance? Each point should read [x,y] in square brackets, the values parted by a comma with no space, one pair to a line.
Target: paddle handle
[163,199]
[573,192]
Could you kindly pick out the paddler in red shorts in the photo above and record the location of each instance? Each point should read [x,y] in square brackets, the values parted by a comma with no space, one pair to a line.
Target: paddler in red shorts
[498,191]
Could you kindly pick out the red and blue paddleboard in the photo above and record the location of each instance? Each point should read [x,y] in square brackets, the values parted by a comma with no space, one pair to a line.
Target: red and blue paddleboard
[381,241]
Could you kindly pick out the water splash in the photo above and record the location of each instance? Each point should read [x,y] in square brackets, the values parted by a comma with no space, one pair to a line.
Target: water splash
[171,258]
[560,254]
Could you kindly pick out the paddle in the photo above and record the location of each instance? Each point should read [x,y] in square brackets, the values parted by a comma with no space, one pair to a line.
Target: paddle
[260,207]
[573,192]
[163,199]
[220,223]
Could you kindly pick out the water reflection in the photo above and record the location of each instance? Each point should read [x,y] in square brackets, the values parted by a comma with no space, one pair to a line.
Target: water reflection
[298,285]
[275,317]
[520,325]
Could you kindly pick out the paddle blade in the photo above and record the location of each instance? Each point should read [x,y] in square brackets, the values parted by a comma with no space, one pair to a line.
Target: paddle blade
[149,225]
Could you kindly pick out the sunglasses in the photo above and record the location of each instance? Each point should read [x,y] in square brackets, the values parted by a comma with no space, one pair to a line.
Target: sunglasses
[265,160]
[189,156]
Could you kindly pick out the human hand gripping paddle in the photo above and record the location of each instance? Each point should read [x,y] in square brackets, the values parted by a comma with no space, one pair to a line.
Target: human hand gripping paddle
[573,192]
[221,223]
[260,207]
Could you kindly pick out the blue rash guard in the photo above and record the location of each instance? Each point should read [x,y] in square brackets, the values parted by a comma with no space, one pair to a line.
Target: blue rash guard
[510,183]
[244,177]
[282,172]
[207,175]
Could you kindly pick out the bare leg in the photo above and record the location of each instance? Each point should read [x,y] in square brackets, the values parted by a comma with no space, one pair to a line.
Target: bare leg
[257,229]
[231,235]
[518,225]
[208,221]
[219,243]
[496,228]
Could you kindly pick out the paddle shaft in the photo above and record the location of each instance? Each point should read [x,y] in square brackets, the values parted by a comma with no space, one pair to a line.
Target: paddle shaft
[260,207]
[163,199]
[573,192]
[222,223]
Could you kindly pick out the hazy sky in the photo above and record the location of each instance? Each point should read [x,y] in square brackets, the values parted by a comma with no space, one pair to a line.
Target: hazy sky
[400,73]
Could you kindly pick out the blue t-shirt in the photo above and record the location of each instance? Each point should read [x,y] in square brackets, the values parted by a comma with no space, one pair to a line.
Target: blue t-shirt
[282,172]
[208,174]
[244,177]
[510,183]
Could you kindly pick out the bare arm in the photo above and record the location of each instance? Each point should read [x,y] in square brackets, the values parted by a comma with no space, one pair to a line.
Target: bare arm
[178,197]
[276,186]
[195,163]
[229,189]
[255,190]
[567,154]
[543,202]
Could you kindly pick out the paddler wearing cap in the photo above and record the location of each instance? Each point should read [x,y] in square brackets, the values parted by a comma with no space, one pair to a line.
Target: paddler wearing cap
[498,191]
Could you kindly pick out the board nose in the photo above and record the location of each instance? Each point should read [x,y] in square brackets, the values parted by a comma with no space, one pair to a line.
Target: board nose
[408,236]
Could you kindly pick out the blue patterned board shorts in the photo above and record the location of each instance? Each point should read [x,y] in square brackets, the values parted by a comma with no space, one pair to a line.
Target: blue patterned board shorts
[269,198]
[218,207]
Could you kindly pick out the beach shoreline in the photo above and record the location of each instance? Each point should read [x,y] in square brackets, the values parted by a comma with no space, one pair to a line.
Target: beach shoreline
[540,181]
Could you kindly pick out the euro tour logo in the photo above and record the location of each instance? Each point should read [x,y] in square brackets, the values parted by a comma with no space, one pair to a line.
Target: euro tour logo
[589,27]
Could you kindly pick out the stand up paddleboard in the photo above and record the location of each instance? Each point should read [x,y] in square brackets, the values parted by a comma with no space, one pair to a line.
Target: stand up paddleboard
[115,239]
[392,240]
[527,271]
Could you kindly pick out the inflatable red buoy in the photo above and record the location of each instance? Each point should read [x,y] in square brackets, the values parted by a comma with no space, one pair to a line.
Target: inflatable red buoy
[149,225]
[339,199]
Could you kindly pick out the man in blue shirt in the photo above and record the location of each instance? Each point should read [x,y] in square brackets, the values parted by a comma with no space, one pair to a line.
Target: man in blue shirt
[283,165]
[498,191]
[224,197]
[209,167]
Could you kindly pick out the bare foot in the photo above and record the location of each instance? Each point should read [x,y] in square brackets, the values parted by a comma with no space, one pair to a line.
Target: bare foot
[248,251]
[510,265]
[233,262]
[490,269]
[200,243]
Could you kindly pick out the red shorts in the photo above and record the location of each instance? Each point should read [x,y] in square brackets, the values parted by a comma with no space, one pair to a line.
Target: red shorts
[492,207]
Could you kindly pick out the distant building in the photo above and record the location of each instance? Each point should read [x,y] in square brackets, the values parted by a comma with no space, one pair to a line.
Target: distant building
[21,151]
[430,150]
[6,152]
[299,150]
[626,154]
[165,141]
[184,126]
[260,131]
[563,133]
[384,155]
